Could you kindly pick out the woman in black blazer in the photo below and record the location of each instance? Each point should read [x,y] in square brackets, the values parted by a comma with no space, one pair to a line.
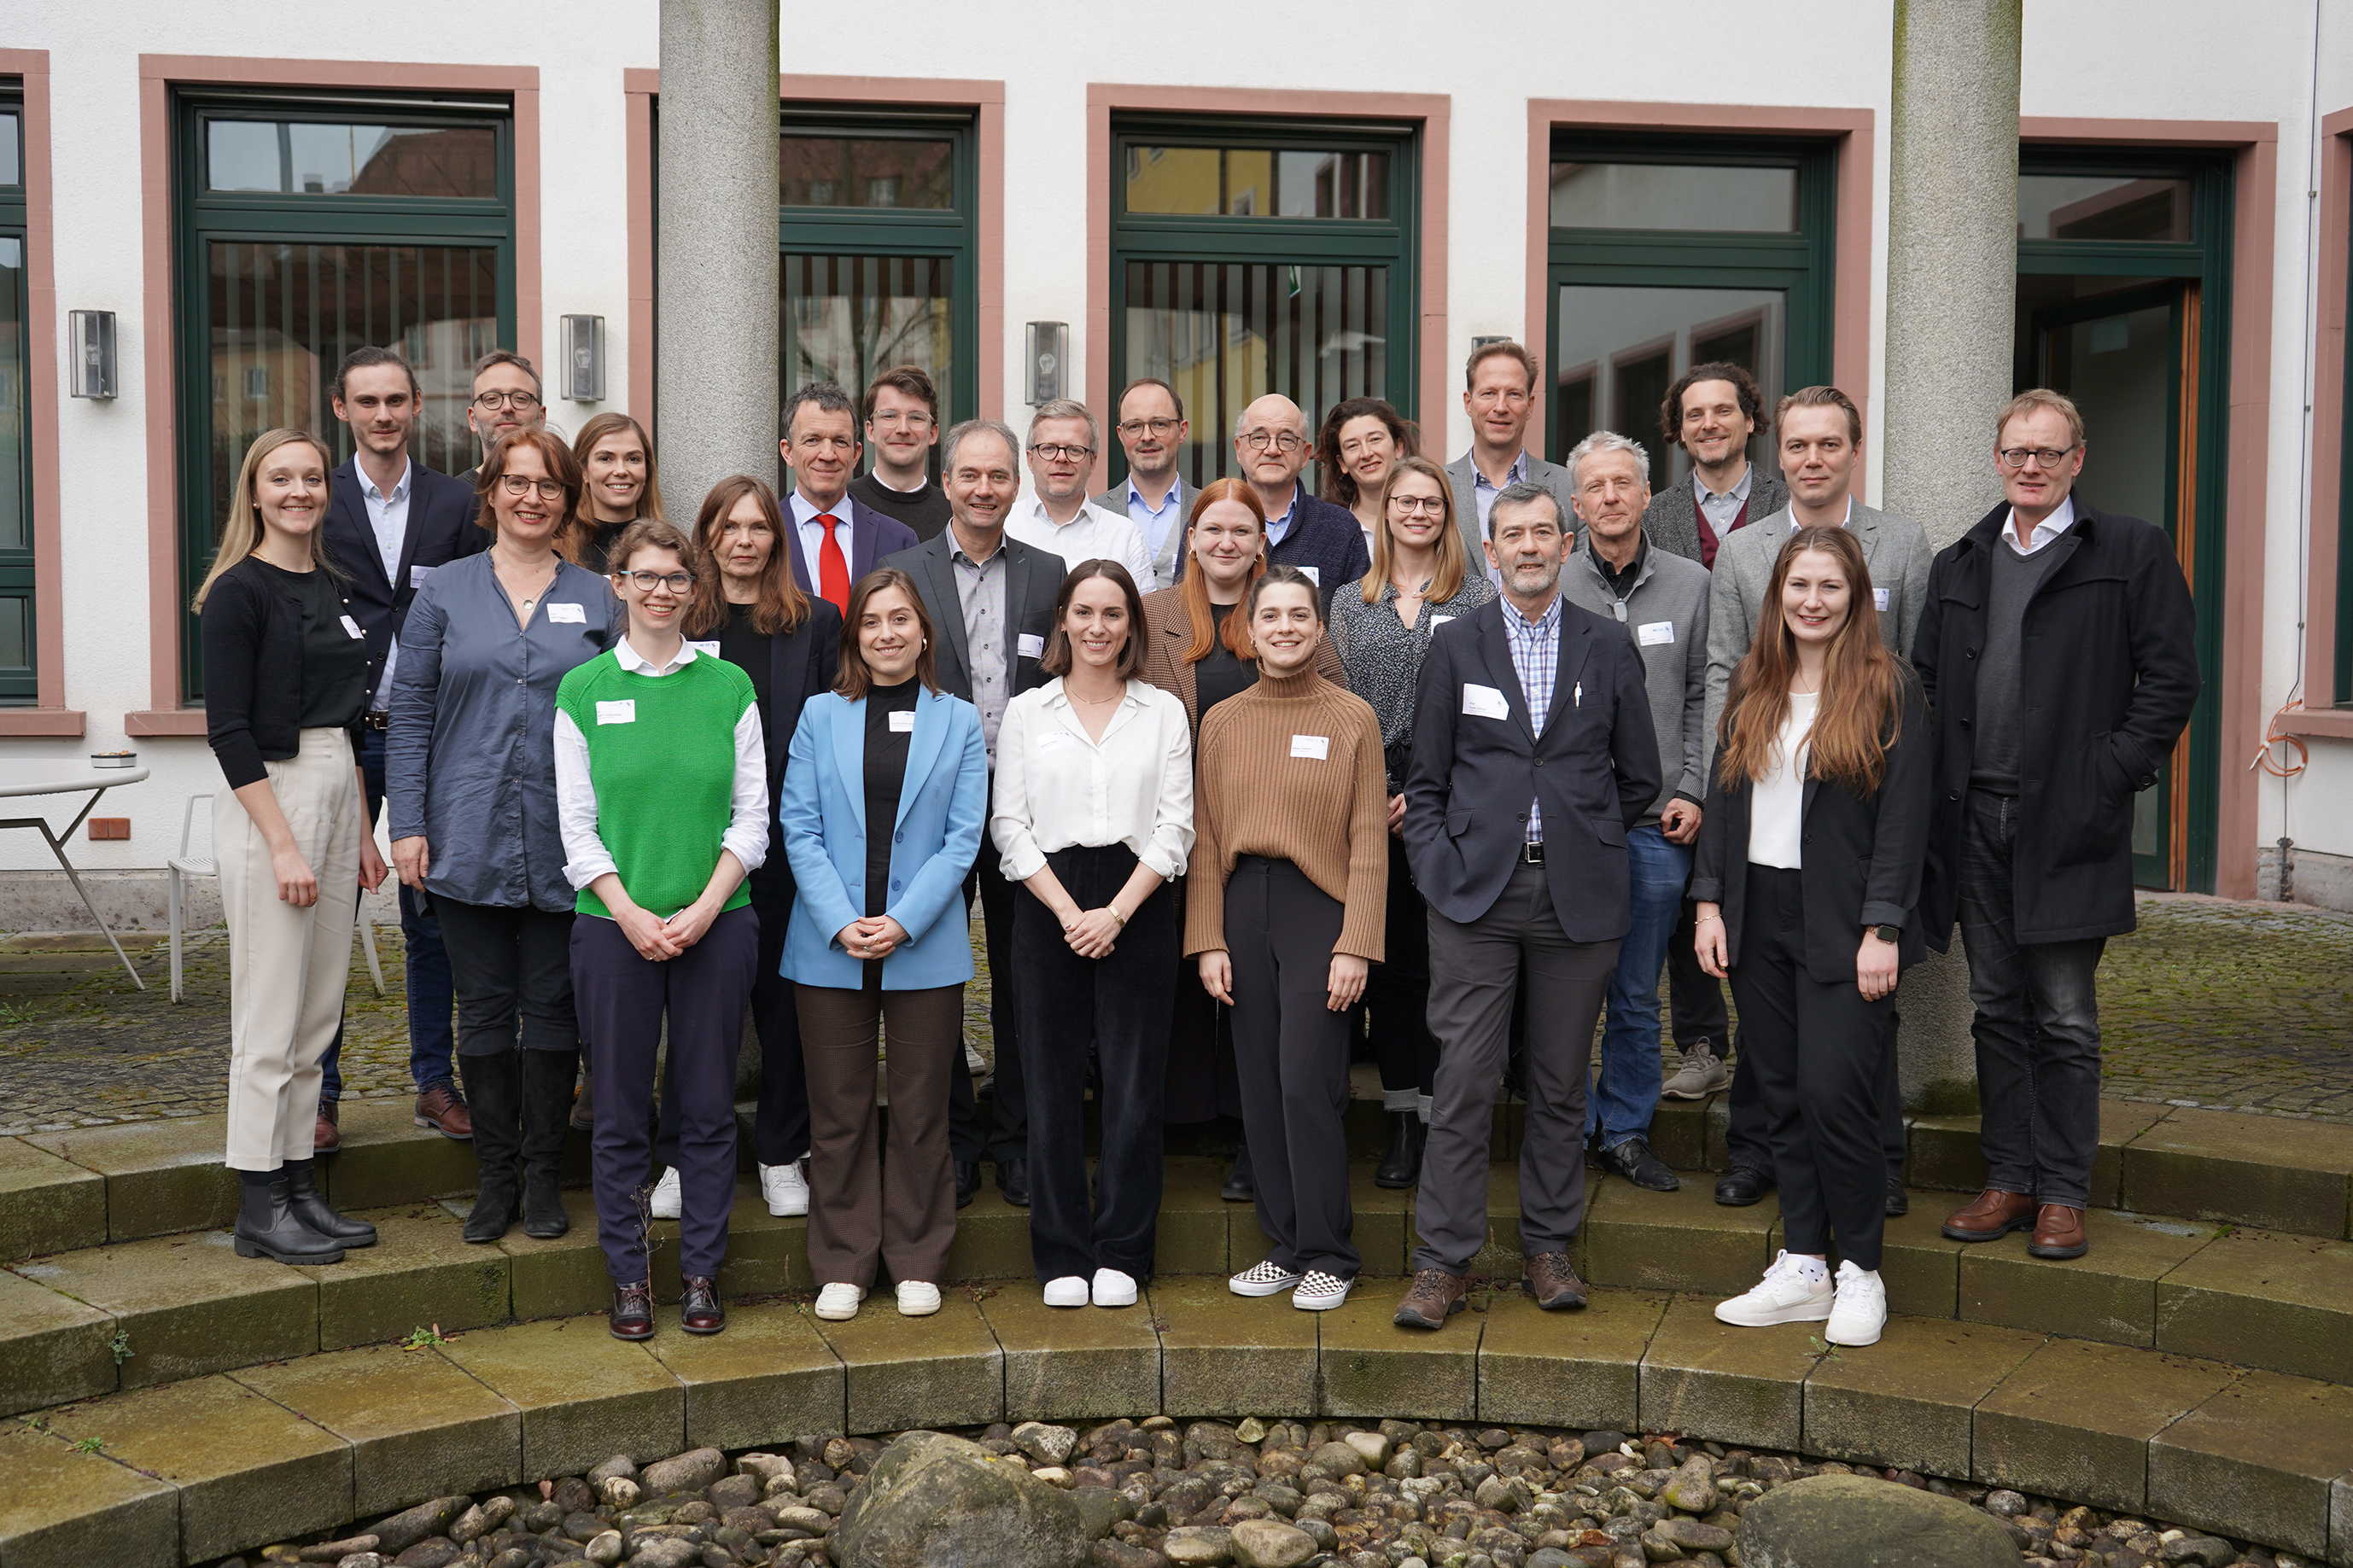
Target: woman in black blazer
[757,619]
[1808,885]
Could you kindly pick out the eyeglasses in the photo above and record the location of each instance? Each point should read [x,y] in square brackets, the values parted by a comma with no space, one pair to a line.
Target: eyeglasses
[892,418]
[2047,457]
[1132,428]
[1058,453]
[647,582]
[1424,506]
[516,485]
[522,401]
[1281,440]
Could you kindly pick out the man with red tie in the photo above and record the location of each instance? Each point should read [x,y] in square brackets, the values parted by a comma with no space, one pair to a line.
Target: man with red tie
[835,540]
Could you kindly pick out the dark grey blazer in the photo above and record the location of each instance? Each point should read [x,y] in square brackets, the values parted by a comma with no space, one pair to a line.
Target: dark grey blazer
[1033,579]
[1672,518]
[1172,549]
[1552,475]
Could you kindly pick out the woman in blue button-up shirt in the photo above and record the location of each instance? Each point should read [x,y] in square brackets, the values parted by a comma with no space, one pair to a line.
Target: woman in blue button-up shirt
[470,791]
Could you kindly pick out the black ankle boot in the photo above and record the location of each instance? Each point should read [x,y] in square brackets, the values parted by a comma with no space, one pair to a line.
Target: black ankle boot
[495,1094]
[1240,1187]
[303,1197]
[546,1115]
[265,1227]
[1401,1166]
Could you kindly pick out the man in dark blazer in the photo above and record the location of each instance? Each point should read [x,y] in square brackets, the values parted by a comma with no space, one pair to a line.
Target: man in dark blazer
[2057,647]
[1533,754]
[391,521]
[831,531]
[991,602]
[1499,389]
[1272,445]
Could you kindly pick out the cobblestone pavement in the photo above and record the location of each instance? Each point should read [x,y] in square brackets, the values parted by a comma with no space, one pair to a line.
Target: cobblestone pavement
[2237,1005]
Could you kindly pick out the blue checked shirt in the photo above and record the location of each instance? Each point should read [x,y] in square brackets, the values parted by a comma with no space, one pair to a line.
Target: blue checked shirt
[1535,659]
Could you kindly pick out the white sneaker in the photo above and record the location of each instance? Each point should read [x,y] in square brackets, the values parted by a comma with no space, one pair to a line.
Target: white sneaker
[1112,1288]
[666,1195]
[1786,1295]
[786,1188]
[917,1299]
[1268,1279]
[1859,1312]
[1070,1291]
[1319,1291]
[839,1303]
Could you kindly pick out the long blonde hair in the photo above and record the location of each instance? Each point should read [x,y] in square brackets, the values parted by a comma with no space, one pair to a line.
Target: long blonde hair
[1446,577]
[240,533]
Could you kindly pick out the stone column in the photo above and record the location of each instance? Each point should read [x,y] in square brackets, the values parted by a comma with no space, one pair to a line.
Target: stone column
[715,228]
[1952,264]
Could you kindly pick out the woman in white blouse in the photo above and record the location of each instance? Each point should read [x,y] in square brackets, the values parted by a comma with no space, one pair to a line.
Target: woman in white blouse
[1093,816]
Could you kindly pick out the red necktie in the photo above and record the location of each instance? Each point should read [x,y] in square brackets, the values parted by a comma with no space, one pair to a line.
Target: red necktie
[832,567]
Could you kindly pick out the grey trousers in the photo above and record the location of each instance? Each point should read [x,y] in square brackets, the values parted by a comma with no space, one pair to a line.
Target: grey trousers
[1474,970]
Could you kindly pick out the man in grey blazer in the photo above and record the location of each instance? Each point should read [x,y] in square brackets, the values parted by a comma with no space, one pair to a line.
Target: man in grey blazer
[1153,428]
[1499,388]
[1712,412]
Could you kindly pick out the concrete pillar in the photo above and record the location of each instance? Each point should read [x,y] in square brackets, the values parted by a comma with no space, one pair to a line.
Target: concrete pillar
[1952,263]
[715,368]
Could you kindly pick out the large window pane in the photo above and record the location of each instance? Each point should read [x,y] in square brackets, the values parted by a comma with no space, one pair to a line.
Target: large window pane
[1709,197]
[866,171]
[317,158]
[1225,333]
[12,154]
[846,317]
[1257,182]
[14,527]
[2102,207]
[1619,349]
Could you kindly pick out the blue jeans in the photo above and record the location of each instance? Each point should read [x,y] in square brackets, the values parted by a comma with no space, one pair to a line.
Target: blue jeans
[432,996]
[1626,1087]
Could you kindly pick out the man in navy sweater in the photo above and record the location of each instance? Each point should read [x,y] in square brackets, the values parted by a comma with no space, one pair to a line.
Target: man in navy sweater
[1320,538]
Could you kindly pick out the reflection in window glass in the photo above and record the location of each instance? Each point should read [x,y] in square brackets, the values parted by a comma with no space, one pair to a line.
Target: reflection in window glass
[15,634]
[314,158]
[846,317]
[1226,333]
[1674,195]
[12,150]
[1258,182]
[14,427]
[1619,350]
[2102,207]
[866,171]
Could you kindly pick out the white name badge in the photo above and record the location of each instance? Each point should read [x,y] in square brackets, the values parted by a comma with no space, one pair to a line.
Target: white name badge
[1879,597]
[1484,702]
[903,723]
[352,626]
[1030,645]
[1314,575]
[1055,737]
[416,575]
[1650,633]
[1438,621]
[625,712]
[1317,747]
[574,614]
[707,649]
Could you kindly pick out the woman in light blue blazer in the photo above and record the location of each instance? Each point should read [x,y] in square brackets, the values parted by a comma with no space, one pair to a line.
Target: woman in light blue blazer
[884,795]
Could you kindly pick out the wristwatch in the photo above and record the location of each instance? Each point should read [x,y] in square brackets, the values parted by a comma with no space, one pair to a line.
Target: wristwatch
[1888,933]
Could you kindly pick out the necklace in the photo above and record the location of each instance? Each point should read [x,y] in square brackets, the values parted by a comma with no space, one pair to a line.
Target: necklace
[528,600]
[1093,701]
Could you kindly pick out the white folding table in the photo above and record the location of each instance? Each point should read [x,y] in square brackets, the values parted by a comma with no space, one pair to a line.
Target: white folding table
[68,778]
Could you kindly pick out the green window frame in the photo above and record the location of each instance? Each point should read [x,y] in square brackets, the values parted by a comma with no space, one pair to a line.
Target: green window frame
[1165,244]
[1800,263]
[306,225]
[17,608]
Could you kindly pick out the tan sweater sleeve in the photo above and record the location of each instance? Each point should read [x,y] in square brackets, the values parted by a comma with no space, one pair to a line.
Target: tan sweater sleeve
[1205,881]
[1364,924]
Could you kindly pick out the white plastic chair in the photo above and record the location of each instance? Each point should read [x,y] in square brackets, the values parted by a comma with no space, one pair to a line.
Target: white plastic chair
[187,864]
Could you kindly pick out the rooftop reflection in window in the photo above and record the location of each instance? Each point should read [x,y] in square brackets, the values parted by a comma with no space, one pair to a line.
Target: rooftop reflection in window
[1712,197]
[2103,207]
[315,158]
[866,171]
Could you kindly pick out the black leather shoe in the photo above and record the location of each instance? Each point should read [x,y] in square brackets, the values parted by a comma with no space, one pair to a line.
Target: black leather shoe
[1899,1201]
[967,1182]
[302,1197]
[1633,1160]
[1013,1181]
[1401,1166]
[699,1309]
[1240,1186]
[632,1313]
[1743,1185]
[265,1227]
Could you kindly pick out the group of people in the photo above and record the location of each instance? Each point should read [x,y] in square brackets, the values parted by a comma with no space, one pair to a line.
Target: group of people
[1446,761]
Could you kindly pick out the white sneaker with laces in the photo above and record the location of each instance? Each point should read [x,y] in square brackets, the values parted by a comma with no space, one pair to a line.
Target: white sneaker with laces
[839,1303]
[1859,1312]
[1787,1294]
[918,1299]
[665,1201]
[1070,1291]
[1267,1278]
[786,1188]
[1114,1288]
[1320,1293]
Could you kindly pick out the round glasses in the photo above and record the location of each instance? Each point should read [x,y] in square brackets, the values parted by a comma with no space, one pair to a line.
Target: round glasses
[647,582]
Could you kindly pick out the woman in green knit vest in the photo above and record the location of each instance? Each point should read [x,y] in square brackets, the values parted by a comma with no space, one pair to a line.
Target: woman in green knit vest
[661,785]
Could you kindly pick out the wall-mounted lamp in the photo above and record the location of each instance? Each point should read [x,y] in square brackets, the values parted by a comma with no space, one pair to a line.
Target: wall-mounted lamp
[1049,344]
[91,337]
[584,358]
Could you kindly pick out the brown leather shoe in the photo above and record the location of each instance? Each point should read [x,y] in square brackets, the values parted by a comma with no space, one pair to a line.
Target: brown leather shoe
[584,1110]
[327,1137]
[1994,1215]
[1436,1296]
[2058,1233]
[699,1311]
[632,1313]
[440,1108]
[1548,1276]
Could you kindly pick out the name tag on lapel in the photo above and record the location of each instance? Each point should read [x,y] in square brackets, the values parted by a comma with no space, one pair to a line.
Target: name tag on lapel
[1030,645]
[1437,621]
[707,649]
[1652,633]
[352,628]
[1484,702]
[416,575]
[903,723]
[1055,737]
[1879,597]
[1317,748]
[574,614]
[1314,575]
[625,712]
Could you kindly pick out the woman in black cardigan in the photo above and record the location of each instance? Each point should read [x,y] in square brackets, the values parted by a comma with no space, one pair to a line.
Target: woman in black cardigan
[1807,884]
[285,687]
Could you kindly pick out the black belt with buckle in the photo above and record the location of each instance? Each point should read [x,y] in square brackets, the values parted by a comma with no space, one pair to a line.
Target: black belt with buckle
[378,721]
[1533,853]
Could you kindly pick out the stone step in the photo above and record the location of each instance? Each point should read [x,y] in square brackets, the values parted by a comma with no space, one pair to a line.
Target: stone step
[229,1461]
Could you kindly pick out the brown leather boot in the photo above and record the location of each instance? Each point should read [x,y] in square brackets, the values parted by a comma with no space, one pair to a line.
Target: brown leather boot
[1548,1276]
[1993,1216]
[326,1138]
[1436,1296]
[2058,1233]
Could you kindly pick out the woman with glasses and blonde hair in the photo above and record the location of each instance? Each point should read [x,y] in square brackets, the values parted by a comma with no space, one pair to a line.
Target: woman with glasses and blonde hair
[1361,441]
[1421,579]
[620,483]
[469,768]
[285,689]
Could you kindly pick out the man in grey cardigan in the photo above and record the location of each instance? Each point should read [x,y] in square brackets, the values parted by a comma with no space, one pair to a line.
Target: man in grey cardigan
[1819,435]
[1661,600]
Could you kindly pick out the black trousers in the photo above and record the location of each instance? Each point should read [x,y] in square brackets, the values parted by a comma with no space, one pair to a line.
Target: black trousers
[1397,992]
[780,1132]
[1819,1053]
[1122,1003]
[509,966]
[1747,1140]
[1291,1052]
[1003,1133]
[1694,997]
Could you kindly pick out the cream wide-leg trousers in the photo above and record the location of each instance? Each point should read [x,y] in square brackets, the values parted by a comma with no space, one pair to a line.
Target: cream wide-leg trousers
[286,966]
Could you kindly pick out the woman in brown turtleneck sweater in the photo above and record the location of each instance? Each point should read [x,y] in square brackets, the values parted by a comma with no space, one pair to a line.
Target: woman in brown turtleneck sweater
[1286,907]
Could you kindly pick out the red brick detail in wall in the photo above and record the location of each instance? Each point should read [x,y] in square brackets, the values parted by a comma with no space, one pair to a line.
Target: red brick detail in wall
[104,827]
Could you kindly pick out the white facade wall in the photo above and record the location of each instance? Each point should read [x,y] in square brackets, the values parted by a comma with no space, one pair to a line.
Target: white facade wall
[2265,60]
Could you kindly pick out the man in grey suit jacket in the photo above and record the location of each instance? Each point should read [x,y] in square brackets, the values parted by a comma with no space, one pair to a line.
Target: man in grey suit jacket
[1499,387]
[1152,426]
[1712,412]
